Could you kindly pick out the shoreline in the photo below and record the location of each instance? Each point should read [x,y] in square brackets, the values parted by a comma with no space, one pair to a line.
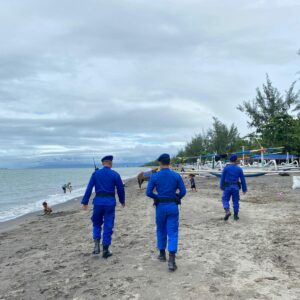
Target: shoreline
[60,207]
[11,224]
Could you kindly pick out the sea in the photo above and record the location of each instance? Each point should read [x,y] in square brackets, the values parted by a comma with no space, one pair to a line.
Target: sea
[24,191]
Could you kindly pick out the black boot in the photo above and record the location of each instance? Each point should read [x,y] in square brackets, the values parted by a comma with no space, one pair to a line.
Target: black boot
[171,263]
[227,214]
[236,216]
[162,255]
[96,247]
[106,252]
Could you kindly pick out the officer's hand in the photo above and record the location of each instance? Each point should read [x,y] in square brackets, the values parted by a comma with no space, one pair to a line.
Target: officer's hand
[244,193]
[85,207]
[123,205]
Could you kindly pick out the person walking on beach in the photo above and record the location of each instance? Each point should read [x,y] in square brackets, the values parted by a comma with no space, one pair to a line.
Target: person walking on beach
[106,181]
[64,188]
[69,187]
[232,180]
[166,183]
[192,182]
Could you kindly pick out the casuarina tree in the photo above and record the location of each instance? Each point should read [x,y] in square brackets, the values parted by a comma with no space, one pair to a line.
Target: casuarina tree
[268,104]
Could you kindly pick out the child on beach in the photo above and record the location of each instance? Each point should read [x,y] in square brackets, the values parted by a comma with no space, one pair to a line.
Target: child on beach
[47,209]
[192,182]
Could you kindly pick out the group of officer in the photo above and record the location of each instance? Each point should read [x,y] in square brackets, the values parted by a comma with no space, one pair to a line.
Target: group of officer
[166,188]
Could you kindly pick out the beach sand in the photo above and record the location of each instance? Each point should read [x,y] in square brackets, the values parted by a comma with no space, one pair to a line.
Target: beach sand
[257,257]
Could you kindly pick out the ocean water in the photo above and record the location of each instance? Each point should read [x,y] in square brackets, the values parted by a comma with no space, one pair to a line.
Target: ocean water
[23,191]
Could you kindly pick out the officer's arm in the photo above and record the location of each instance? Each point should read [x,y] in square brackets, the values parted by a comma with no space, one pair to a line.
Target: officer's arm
[150,188]
[120,189]
[181,187]
[222,181]
[88,192]
[243,181]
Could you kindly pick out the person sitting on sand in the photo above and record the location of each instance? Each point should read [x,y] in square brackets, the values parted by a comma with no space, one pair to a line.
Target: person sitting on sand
[192,182]
[232,180]
[47,209]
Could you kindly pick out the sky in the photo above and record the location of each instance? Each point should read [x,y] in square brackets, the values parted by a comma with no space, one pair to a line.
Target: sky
[133,78]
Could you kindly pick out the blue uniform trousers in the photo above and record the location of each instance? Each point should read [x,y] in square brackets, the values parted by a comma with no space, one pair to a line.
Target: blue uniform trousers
[103,215]
[167,222]
[233,192]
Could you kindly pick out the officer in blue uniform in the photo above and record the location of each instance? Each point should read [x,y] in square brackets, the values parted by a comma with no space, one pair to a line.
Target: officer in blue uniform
[232,180]
[166,183]
[105,181]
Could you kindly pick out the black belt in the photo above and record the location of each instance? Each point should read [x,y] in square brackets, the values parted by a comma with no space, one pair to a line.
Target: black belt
[167,200]
[105,194]
[232,183]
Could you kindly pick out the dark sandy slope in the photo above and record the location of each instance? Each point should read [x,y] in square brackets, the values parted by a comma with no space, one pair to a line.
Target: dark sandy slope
[255,258]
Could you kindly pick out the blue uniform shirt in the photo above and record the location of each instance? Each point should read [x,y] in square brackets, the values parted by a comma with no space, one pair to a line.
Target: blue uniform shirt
[166,183]
[232,174]
[105,180]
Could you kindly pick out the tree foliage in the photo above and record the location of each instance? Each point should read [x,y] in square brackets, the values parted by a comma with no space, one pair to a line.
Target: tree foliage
[274,116]
[270,104]
[218,139]
[223,139]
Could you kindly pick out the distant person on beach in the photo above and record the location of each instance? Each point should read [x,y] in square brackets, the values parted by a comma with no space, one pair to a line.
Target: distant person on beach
[166,183]
[47,209]
[69,187]
[232,180]
[64,188]
[192,182]
[105,181]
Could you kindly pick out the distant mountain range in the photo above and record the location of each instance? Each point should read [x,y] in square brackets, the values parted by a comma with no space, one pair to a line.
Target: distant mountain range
[55,165]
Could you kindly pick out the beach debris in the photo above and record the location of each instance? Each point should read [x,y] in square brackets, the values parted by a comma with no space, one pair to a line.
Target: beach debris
[296,182]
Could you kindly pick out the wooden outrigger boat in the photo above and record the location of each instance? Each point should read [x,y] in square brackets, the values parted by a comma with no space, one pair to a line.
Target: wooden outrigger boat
[252,174]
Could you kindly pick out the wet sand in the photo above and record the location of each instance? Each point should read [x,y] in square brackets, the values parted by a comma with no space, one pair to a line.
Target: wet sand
[257,257]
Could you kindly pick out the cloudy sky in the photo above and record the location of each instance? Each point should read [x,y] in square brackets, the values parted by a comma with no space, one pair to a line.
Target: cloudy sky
[133,77]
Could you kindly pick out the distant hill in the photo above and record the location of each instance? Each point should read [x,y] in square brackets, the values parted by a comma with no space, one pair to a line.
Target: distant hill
[56,165]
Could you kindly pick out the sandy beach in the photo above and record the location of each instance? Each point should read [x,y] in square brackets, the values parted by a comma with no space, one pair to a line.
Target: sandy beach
[257,257]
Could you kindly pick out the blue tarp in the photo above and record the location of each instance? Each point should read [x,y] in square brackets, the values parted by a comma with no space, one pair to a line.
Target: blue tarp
[275,156]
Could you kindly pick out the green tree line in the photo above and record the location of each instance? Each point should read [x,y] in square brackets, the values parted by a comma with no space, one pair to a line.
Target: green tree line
[274,119]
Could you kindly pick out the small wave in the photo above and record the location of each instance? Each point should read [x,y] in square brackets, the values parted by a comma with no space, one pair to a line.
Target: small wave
[23,209]
[20,210]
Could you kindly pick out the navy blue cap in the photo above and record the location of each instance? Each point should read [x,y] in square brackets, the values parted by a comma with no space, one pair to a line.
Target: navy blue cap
[107,157]
[233,158]
[164,158]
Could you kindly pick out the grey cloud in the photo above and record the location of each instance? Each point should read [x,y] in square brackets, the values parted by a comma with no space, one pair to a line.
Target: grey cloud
[133,77]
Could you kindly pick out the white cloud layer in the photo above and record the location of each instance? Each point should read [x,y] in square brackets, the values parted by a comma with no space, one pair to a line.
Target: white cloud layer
[133,77]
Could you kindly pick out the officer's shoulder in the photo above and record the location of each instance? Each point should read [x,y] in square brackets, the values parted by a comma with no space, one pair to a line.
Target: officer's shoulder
[240,168]
[176,174]
[154,175]
[95,172]
[114,172]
